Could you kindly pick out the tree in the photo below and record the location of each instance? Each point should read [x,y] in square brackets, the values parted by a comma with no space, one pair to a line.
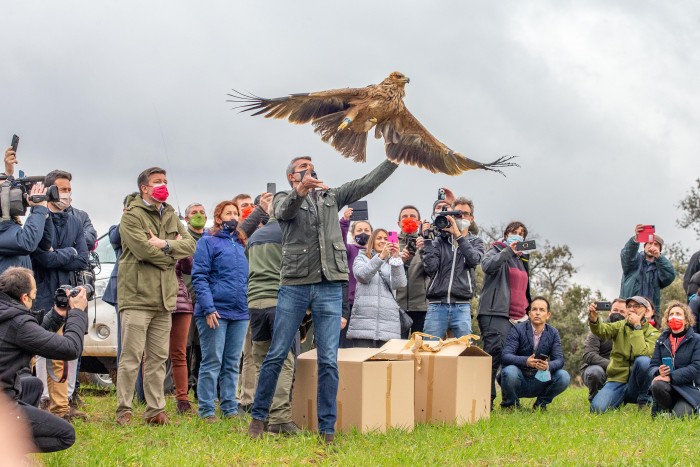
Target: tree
[678,256]
[691,210]
[551,268]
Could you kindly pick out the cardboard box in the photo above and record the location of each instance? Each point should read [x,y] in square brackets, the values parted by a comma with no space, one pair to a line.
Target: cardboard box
[372,395]
[453,385]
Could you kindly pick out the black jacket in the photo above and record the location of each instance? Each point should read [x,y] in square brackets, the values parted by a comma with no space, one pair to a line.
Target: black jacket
[685,377]
[451,268]
[21,337]
[520,344]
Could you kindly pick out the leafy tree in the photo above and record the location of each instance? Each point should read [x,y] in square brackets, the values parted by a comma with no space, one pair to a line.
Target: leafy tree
[551,268]
[690,205]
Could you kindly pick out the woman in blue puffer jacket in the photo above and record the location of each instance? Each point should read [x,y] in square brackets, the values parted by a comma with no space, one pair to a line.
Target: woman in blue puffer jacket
[220,281]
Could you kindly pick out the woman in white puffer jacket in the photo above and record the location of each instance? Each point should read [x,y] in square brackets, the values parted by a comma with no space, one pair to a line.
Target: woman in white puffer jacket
[379,271]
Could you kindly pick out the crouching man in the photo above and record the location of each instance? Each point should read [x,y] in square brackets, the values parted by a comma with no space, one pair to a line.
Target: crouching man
[21,337]
[532,360]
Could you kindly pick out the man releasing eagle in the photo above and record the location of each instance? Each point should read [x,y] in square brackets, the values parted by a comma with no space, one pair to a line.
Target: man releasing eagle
[344,116]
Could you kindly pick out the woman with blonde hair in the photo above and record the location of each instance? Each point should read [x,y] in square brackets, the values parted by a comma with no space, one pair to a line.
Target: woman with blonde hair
[379,272]
[675,365]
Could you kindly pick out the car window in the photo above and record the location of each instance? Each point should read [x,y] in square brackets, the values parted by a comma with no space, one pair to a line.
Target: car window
[105,251]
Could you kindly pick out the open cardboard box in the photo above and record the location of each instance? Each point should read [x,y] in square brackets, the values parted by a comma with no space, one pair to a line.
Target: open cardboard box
[452,385]
[372,394]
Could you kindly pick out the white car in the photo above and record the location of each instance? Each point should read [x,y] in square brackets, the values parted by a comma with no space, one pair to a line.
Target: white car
[100,343]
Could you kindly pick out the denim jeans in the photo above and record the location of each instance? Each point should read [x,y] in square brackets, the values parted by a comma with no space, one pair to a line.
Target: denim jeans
[442,316]
[515,385]
[614,394]
[325,301]
[221,358]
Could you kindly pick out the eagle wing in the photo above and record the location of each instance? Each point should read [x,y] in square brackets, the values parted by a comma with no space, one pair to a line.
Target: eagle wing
[407,141]
[299,108]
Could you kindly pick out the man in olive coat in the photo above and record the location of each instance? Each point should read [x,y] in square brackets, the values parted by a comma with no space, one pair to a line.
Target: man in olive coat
[153,239]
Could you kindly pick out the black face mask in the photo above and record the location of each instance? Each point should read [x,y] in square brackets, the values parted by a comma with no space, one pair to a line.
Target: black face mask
[302,174]
[361,239]
[615,317]
[230,226]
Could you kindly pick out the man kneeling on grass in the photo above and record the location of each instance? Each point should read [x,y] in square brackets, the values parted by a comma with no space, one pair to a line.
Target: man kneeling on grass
[532,360]
[633,344]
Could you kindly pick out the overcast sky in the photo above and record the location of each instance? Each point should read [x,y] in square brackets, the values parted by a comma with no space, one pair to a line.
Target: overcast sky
[598,100]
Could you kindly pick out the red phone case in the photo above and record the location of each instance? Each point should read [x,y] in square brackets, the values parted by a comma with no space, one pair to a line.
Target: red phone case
[646,235]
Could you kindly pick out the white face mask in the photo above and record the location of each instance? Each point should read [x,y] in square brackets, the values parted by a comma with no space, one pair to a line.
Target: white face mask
[64,202]
[462,224]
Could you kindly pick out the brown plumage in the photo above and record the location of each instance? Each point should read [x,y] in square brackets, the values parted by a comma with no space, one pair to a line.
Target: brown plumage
[343,117]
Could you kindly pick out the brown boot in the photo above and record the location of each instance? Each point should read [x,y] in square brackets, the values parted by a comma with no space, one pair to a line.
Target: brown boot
[75,413]
[160,419]
[184,407]
[256,429]
[124,419]
[328,438]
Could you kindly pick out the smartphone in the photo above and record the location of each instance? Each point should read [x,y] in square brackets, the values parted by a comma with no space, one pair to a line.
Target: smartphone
[668,361]
[542,356]
[646,235]
[526,245]
[359,211]
[603,306]
[271,188]
[392,237]
[15,142]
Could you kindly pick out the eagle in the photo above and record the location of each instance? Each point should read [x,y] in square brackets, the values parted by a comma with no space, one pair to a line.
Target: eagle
[343,117]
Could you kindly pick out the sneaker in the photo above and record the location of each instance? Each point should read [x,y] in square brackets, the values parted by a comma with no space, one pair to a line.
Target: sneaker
[76,401]
[184,407]
[159,419]
[539,407]
[256,429]
[288,428]
[75,413]
[210,419]
[245,408]
[124,419]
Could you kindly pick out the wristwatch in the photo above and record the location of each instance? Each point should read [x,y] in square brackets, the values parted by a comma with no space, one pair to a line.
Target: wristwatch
[166,248]
[638,327]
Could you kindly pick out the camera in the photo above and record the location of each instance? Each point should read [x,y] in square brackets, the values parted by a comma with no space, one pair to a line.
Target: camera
[13,195]
[65,292]
[441,221]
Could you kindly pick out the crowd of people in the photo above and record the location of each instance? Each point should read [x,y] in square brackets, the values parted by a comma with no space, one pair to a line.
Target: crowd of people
[229,305]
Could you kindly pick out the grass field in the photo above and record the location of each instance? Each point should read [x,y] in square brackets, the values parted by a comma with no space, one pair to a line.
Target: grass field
[564,435]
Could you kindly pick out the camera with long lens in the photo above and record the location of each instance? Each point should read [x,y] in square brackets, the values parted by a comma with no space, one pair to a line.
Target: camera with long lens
[65,292]
[14,200]
[441,221]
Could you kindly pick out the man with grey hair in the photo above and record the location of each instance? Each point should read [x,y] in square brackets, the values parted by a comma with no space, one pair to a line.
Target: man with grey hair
[314,267]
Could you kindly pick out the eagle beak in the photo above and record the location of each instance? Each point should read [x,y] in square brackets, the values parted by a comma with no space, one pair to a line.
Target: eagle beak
[408,80]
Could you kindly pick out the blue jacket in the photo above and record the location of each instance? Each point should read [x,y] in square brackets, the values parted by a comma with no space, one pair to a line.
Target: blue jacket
[636,271]
[18,242]
[520,345]
[685,378]
[55,268]
[115,239]
[220,277]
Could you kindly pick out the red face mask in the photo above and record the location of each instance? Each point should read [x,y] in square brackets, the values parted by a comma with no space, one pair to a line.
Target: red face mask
[409,225]
[245,212]
[676,324]
[160,193]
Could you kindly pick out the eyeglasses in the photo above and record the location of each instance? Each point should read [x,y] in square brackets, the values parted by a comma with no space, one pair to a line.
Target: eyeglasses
[636,306]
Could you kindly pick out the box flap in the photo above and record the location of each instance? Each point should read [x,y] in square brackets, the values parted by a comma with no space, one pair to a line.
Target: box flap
[310,355]
[395,350]
[356,354]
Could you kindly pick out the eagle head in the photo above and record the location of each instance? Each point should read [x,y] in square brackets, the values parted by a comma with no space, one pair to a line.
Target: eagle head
[397,78]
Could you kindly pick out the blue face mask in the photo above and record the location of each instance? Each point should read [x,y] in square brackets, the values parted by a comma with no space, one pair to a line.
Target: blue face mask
[514,238]
[230,226]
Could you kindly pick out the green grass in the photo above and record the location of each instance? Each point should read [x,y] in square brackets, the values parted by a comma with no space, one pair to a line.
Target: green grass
[564,435]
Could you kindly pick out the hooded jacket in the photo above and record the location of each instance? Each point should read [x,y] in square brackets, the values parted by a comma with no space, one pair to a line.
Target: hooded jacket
[22,337]
[220,276]
[17,242]
[451,268]
[685,377]
[628,344]
[495,296]
[53,269]
[146,278]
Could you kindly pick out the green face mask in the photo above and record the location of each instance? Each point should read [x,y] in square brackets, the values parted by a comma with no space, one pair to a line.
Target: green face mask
[198,220]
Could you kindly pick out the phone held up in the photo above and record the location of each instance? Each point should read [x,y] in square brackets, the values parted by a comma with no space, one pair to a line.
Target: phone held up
[271,188]
[392,237]
[359,211]
[526,245]
[15,142]
[603,306]
[646,235]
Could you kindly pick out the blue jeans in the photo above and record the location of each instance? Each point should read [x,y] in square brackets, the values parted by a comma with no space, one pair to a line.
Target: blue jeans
[613,394]
[442,316]
[325,301]
[515,385]
[221,358]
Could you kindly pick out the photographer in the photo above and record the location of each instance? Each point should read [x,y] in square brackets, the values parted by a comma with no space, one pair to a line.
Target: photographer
[56,265]
[17,242]
[450,260]
[21,337]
